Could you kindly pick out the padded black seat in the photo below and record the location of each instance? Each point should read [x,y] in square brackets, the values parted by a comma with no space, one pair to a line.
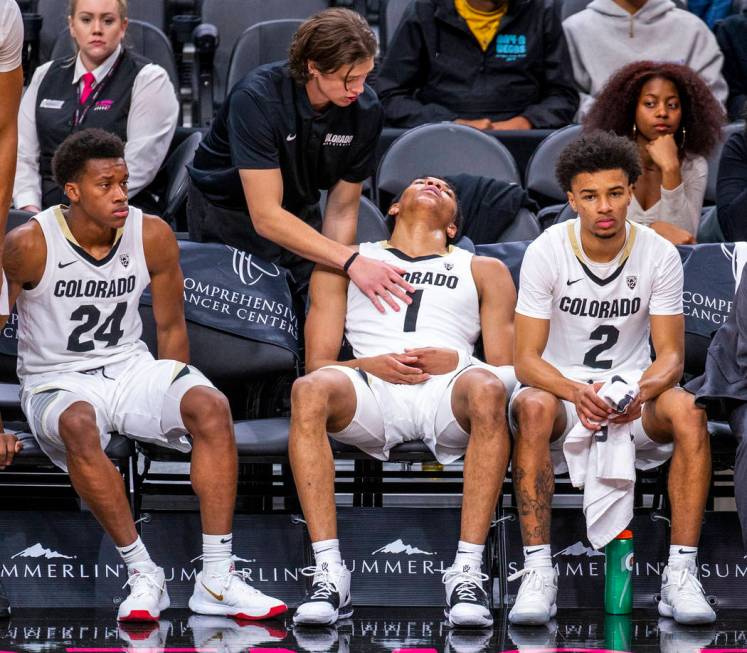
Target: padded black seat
[10,395]
[262,437]
[119,448]
[413,451]
[721,435]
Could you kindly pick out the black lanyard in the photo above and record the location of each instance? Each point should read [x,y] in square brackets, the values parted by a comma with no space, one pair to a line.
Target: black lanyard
[79,116]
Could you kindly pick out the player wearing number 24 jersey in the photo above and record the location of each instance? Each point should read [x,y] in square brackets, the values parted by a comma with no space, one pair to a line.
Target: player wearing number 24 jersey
[77,274]
[412,377]
[592,292]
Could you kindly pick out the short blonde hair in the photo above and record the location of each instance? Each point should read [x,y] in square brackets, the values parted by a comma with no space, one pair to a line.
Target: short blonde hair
[122,4]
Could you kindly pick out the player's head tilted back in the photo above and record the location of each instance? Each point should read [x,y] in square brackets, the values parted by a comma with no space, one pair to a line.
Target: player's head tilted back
[428,201]
[90,166]
[597,172]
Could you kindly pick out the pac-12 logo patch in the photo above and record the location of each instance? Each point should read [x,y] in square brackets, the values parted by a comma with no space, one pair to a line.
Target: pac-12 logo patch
[449,266]
[124,259]
[631,281]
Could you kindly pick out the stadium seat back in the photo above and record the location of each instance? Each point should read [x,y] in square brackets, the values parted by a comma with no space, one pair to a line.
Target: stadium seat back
[177,176]
[232,17]
[524,227]
[715,158]
[371,223]
[541,182]
[392,17]
[143,38]
[260,44]
[442,149]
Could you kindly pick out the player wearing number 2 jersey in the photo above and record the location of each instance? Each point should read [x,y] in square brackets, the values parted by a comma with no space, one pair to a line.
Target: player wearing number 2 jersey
[77,273]
[412,378]
[592,291]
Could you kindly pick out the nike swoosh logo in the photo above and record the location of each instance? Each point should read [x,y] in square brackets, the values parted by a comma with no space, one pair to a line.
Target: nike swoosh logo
[226,541]
[531,552]
[64,265]
[124,553]
[570,283]
[682,551]
[290,137]
[217,597]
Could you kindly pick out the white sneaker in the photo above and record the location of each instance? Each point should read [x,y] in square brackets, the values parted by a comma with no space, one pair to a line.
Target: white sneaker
[224,635]
[148,595]
[466,599]
[228,594]
[683,597]
[535,601]
[329,598]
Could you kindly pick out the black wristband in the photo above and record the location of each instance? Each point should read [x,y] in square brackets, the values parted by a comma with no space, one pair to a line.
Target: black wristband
[349,262]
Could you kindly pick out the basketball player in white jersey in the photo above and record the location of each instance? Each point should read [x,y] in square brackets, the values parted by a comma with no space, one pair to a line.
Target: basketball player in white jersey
[77,274]
[591,292]
[412,377]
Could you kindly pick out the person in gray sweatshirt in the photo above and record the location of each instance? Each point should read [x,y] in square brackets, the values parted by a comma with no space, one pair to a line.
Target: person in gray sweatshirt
[611,33]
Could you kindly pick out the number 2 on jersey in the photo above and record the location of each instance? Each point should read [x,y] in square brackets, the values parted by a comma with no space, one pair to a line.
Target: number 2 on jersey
[608,335]
[411,314]
[109,332]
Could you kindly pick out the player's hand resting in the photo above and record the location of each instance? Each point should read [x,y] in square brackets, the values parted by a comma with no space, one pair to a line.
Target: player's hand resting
[432,360]
[394,368]
[378,280]
[10,445]
[591,408]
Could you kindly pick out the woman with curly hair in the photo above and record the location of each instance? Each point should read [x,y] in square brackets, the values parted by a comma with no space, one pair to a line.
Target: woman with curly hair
[675,120]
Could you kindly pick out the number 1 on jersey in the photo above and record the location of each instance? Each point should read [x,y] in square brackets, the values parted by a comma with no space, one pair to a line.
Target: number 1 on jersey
[411,314]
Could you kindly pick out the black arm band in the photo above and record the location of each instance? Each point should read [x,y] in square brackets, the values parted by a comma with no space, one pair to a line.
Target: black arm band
[349,262]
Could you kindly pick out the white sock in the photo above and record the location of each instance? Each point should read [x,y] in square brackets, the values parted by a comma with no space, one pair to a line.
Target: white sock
[216,552]
[135,553]
[681,556]
[469,555]
[327,551]
[537,556]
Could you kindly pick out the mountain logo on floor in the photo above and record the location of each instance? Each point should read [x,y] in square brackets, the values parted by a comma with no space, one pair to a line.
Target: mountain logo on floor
[38,551]
[398,546]
[578,549]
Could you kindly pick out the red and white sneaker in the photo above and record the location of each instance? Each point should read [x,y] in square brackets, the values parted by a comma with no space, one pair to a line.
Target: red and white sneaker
[229,595]
[148,595]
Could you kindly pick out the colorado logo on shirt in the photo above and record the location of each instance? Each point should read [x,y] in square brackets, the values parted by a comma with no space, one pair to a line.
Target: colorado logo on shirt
[339,140]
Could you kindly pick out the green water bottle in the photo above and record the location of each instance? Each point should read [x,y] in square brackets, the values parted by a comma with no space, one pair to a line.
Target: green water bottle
[618,580]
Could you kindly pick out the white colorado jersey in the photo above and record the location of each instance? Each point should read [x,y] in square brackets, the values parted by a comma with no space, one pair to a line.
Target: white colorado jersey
[599,312]
[445,311]
[83,314]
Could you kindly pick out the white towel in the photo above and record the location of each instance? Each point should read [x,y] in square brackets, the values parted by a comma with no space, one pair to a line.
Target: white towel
[603,463]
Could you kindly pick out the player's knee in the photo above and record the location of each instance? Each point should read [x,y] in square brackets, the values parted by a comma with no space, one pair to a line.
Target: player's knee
[79,431]
[689,421]
[206,411]
[486,396]
[535,414]
[310,393]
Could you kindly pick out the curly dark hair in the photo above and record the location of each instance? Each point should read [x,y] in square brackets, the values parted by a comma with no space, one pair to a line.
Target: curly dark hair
[76,150]
[595,151]
[702,114]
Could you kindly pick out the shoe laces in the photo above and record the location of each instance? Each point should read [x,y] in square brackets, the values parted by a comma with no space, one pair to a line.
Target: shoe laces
[533,579]
[241,574]
[140,581]
[467,582]
[323,584]
[687,582]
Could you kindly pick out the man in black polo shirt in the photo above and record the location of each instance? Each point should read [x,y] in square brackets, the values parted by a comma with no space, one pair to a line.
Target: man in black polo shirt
[285,131]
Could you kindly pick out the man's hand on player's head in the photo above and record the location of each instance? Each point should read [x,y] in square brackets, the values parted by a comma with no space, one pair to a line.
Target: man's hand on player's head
[394,368]
[434,360]
[378,280]
[10,445]
[591,408]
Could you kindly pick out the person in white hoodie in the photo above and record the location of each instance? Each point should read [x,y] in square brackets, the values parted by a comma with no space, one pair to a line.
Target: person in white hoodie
[611,33]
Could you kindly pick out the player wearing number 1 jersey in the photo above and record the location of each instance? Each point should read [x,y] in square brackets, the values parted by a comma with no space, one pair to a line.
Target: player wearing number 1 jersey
[592,291]
[412,378]
[77,274]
